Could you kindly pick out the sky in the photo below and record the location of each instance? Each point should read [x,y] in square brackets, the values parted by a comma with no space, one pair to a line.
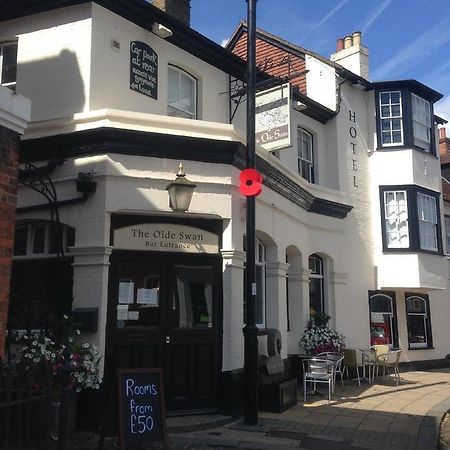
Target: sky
[407,39]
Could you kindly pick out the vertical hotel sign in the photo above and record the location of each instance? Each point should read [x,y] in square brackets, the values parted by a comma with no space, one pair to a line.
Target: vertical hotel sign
[272,118]
[143,69]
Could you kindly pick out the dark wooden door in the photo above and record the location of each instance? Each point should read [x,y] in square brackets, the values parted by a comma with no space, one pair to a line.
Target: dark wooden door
[166,313]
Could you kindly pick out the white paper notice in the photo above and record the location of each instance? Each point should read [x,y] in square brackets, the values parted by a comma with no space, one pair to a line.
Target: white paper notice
[126,292]
[133,315]
[148,296]
[122,312]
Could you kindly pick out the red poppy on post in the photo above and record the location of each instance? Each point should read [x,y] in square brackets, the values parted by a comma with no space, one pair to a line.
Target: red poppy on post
[251,181]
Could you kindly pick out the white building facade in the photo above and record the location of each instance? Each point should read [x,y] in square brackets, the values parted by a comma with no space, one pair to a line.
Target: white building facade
[348,223]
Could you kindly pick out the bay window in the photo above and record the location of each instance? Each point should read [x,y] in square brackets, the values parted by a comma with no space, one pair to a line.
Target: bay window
[410,219]
[418,320]
[404,113]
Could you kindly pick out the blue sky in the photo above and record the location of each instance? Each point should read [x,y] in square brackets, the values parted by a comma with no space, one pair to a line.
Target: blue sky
[406,38]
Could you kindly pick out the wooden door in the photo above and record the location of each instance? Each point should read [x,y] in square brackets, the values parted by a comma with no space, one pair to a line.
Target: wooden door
[166,313]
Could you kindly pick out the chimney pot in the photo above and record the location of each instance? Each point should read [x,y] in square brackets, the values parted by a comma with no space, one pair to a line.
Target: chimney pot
[340,44]
[357,35]
[348,41]
[442,133]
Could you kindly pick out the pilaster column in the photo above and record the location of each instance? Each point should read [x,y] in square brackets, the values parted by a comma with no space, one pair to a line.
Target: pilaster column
[276,310]
[296,315]
[90,285]
[338,290]
[233,309]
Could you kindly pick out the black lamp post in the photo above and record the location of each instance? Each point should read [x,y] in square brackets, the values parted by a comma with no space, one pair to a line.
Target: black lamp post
[180,191]
[250,329]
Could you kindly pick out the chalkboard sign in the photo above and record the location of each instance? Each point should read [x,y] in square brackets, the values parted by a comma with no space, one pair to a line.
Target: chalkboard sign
[143,69]
[141,408]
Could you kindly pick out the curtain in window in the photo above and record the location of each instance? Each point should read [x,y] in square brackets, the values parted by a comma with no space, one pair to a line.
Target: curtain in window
[396,219]
[427,215]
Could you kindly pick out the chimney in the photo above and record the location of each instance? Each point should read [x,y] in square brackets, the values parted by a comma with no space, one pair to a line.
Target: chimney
[178,9]
[444,143]
[351,54]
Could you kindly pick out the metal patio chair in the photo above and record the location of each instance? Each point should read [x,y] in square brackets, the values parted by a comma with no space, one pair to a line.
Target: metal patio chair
[388,361]
[318,371]
[339,366]
[357,359]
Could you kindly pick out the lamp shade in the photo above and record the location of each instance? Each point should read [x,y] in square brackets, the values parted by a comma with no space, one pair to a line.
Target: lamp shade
[180,191]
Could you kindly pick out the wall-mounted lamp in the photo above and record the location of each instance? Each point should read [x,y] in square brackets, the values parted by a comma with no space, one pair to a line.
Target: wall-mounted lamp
[180,191]
[161,31]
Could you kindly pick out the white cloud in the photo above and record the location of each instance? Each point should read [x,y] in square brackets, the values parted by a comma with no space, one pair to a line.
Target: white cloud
[442,109]
[416,51]
[374,16]
[326,18]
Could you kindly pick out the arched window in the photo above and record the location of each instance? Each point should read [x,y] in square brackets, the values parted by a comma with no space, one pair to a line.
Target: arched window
[305,156]
[42,239]
[383,322]
[182,94]
[316,284]
[418,321]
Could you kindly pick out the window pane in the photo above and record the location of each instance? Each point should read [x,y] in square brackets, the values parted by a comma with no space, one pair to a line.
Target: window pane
[396,219]
[415,305]
[9,63]
[381,320]
[417,333]
[195,299]
[55,239]
[173,86]
[39,239]
[20,241]
[181,94]
[427,216]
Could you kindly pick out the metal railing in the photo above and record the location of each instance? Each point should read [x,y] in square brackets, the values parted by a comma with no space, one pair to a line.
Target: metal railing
[33,416]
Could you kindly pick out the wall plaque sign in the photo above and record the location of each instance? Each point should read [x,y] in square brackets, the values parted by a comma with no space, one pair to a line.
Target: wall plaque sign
[165,237]
[143,69]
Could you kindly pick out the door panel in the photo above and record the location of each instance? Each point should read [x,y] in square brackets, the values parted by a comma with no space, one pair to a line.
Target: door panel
[166,313]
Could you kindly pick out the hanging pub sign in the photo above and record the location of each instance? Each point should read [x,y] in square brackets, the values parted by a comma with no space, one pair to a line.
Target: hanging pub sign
[143,69]
[272,117]
[141,408]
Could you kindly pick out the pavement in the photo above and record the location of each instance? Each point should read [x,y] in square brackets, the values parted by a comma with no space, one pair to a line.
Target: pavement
[371,416]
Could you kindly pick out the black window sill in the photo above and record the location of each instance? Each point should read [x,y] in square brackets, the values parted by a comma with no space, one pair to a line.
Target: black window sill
[412,250]
[421,348]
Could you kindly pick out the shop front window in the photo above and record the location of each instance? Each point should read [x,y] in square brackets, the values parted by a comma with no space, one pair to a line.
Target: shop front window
[418,321]
[383,329]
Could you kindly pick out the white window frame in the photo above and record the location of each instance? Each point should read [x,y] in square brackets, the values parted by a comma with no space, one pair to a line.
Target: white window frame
[447,234]
[428,222]
[421,117]
[9,84]
[389,118]
[318,275]
[31,229]
[387,312]
[302,157]
[395,218]
[174,109]
[260,261]
[425,317]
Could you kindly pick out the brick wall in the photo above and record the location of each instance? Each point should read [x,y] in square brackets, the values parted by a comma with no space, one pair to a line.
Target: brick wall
[9,143]
[179,9]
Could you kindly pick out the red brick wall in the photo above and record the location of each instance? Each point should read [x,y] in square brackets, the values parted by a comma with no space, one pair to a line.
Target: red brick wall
[9,145]
[273,60]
